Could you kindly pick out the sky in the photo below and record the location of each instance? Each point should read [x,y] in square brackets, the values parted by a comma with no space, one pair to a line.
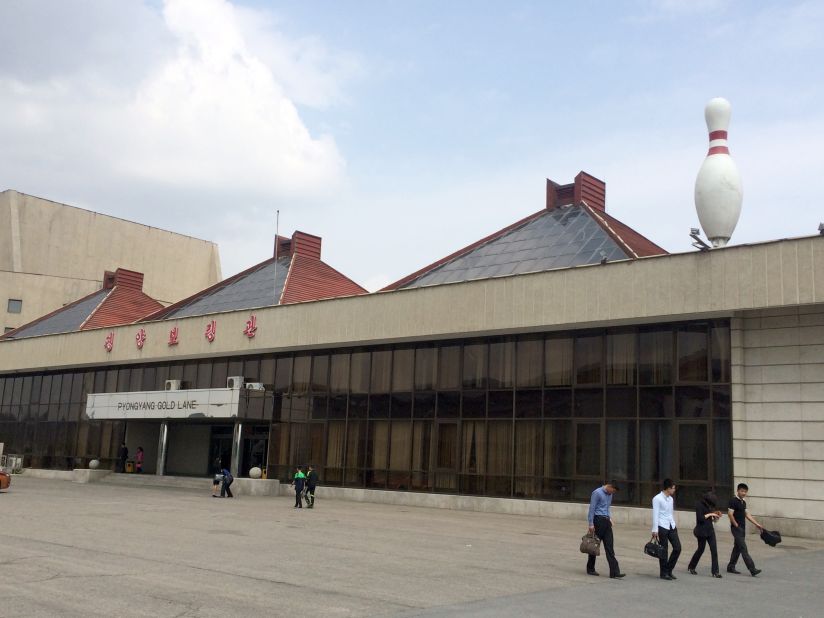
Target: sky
[402,131]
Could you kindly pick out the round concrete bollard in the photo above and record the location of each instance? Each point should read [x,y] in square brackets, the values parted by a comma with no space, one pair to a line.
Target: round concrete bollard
[94,464]
[254,473]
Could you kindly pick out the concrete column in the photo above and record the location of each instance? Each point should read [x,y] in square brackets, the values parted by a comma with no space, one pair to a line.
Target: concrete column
[236,446]
[162,448]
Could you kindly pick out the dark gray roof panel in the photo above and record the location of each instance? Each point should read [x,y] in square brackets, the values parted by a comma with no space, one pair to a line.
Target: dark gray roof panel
[559,238]
[259,288]
[65,321]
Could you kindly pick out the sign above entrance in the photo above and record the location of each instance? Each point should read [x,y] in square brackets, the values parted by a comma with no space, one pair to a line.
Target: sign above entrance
[189,404]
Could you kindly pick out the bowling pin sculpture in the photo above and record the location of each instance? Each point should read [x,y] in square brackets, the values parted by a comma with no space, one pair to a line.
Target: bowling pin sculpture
[718,192]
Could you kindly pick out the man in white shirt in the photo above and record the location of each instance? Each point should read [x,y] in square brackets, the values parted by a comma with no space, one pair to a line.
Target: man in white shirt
[664,529]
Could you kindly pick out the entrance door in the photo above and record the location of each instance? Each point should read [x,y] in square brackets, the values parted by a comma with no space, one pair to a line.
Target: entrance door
[255,448]
[446,457]
[220,447]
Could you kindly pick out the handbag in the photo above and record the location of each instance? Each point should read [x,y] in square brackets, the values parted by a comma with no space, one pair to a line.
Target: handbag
[590,544]
[654,548]
[770,537]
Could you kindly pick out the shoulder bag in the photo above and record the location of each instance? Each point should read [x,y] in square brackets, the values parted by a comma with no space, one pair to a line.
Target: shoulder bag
[654,548]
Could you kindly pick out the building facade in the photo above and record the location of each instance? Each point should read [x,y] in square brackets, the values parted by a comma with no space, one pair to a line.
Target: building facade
[52,254]
[705,367]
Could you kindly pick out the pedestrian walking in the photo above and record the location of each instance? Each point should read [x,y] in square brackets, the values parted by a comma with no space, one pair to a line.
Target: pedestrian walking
[217,478]
[599,521]
[228,479]
[311,485]
[738,514]
[706,514]
[122,456]
[299,483]
[665,530]
[138,460]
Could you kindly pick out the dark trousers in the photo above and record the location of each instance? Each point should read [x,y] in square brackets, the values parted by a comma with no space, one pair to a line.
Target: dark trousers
[669,537]
[702,543]
[603,530]
[739,548]
[298,500]
[310,496]
[224,489]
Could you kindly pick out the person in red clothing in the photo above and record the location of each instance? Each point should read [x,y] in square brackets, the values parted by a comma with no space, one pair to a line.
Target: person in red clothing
[138,460]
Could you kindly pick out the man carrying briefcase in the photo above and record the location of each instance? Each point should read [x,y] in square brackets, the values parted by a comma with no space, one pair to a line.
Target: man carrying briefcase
[599,520]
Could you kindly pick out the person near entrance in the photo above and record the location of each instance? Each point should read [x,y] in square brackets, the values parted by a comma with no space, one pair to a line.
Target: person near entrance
[311,485]
[138,460]
[706,514]
[228,479]
[599,521]
[217,471]
[122,456]
[299,483]
[737,512]
[665,530]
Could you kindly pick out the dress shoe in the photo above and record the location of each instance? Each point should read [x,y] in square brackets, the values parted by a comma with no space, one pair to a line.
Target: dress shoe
[672,576]
[667,577]
[692,572]
[733,571]
[595,573]
[618,576]
[718,575]
[755,572]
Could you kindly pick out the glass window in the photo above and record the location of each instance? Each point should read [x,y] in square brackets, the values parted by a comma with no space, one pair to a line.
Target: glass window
[558,366]
[449,367]
[621,358]
[620,442]
[189,376]
[656,402]
[558,403]
[251,370]
[722,441]
[500,404]
[588,449]
[589,402]
[149,382]
[381,371]
[449,404]
[425,368]
[588,359]
[320,373]
[621,402]
[693,447]
[400,446]
[655,354]
[402,364]
[339,373]
[377,456]
[379,405]
[474,365]
[301,373]
[359,372]
[721,407]
[692,401]
[655,440]
[499,462]
[220,371]
[283,374]
[528,403]
[15,305]
[692,354]
[401,405]
[267,371]
[474,404]
[501,364]
[529,362]
[473,455]
[528,448]
[558,449]
[204,375]
[720,345]
[424,406]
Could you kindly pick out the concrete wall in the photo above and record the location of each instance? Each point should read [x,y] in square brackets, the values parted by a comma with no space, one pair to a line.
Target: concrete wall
[51,254]
[188,453]
[778,414]
[674,287]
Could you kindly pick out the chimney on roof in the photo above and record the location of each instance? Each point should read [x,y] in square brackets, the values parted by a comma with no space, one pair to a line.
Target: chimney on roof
[108,280]
[128,279]
[586,188]
[301,243]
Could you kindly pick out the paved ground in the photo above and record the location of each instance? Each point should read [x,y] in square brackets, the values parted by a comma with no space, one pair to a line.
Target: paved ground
[105,550]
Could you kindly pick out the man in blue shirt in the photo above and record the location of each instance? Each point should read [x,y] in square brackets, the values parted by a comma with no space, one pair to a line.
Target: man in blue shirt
[600,523]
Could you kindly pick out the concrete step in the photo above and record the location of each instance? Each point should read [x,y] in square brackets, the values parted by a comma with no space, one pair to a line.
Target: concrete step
[152,480]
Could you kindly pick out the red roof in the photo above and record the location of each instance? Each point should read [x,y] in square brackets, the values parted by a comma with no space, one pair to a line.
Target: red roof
[312,279]
[123,305]
[624,235]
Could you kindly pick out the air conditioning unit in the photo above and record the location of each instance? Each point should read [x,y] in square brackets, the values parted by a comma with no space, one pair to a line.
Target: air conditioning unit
[255,386]
[234,382]
[173,385]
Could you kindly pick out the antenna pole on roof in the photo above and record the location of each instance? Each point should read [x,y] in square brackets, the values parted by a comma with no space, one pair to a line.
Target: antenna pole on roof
[277,239]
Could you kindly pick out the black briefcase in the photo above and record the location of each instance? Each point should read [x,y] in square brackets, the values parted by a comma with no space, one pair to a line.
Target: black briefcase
[655,549]
[771,537]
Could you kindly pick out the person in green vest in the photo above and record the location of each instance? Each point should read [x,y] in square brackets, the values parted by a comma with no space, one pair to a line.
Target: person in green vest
[299,482]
